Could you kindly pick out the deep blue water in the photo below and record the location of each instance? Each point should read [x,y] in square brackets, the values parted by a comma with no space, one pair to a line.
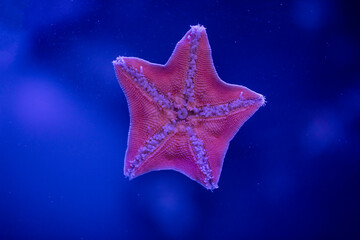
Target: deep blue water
[292,171]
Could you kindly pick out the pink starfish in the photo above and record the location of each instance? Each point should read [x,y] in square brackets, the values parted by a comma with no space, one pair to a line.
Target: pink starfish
[183,115]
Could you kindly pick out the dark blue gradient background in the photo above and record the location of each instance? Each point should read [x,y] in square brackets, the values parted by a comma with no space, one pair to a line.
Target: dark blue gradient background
[292,171]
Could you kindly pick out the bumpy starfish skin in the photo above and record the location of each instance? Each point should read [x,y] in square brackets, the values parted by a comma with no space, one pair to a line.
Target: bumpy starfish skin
[183,115]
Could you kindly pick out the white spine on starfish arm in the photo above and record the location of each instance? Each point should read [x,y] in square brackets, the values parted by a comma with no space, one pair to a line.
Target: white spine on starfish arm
[141,80]
[194,38]
[151,144]
[224,109]
[200,154]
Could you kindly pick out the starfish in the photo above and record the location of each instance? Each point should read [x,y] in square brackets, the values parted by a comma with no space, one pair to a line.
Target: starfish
[182,115]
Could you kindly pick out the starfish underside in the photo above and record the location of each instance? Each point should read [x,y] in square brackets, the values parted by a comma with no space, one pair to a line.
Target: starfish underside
[183,115]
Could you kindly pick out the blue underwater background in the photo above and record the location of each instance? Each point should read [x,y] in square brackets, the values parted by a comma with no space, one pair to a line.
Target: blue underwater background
[291,172]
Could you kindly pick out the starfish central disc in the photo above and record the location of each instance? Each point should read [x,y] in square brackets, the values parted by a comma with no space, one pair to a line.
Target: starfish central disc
[182,113]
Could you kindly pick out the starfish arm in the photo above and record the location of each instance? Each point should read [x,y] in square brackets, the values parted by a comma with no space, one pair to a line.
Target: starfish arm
[168,78]
[177,153]
[201,159]
[239,104]
[217,132]
[150,146]
[182,63]
[134,68]
[145,118]
[209,89]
